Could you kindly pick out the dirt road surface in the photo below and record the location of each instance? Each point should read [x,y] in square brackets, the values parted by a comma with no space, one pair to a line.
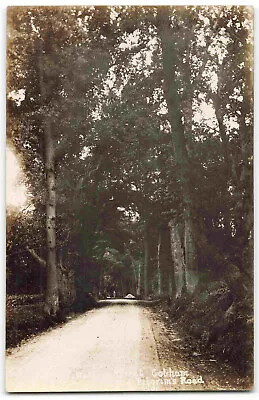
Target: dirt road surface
[117,347]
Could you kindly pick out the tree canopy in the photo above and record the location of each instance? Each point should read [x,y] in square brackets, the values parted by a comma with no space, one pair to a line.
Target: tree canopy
[144,118]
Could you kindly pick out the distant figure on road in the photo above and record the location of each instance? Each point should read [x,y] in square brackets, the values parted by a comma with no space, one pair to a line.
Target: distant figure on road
[114,294]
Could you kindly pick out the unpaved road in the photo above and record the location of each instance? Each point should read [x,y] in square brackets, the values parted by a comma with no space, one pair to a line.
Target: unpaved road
[116,347]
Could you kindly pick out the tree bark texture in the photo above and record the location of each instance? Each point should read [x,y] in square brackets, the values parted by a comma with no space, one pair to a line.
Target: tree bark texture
[52,292]
[178,259]
[159,289]
[139,280]
[52,297]
[146,262]
[165,265]
[191,268]
[168,285]
[178,137]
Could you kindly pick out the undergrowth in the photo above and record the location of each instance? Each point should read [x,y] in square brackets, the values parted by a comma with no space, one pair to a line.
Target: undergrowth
[218,323]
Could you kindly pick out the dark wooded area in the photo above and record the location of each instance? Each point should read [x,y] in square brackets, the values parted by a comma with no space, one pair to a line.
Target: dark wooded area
[135,132]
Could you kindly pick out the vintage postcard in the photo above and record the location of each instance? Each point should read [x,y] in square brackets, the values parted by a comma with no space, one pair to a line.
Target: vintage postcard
[129,208]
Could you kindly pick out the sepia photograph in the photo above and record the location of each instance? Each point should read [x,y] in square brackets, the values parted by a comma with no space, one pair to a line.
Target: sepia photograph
[129,198]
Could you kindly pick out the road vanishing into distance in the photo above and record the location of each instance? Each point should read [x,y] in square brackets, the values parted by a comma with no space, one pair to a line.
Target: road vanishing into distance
[123,345]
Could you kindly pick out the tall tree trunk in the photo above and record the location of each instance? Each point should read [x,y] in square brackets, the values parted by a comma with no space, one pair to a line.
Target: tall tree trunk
[52,295]
[159,273]
[166,282]
[178,259]
[188,113]
[171,280]
[138,291]
[146,261]
[137,277]
[169,57]
[165,263]
[187,101]
[191,269]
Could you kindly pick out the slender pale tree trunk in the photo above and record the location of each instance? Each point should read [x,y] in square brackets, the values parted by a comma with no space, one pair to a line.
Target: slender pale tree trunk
[52,295]
[159,278]
[139,280]
[146,261]
[137,276]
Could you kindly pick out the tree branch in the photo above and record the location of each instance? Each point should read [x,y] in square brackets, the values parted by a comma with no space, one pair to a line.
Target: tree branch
[42,262]
[36,256]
